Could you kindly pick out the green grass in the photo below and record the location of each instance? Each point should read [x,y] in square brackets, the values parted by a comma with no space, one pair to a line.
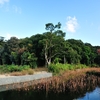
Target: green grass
[57,68]
[12,68]
[20,70]
[54,68]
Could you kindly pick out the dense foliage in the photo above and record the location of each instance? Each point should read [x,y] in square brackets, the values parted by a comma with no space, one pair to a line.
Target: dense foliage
[49,47]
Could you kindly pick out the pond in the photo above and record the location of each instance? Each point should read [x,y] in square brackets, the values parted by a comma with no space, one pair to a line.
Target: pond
[93,95]
[41,95]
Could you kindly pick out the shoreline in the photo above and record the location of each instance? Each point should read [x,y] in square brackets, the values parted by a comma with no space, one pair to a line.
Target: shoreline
[7,82]
[68,80]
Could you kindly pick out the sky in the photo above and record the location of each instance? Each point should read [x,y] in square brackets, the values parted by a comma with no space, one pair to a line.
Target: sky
[80,19]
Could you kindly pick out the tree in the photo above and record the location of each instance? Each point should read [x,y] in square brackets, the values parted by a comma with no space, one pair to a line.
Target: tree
[52,42]
[1,38]
[4,52]
[37,48]
[72,56]
[5,55]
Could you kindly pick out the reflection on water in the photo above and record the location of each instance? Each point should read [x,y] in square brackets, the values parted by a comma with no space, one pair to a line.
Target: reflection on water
[94,95]
[34,95]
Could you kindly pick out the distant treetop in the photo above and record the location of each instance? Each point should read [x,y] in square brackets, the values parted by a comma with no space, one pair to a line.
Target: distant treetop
[1,38]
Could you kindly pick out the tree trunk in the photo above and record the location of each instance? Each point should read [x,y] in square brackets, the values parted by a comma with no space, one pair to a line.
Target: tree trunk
[47,62]
[64,59]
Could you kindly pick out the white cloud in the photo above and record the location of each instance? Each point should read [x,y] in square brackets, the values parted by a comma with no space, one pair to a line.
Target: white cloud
[17,9]
[8,35]
[3,1]
[71,24]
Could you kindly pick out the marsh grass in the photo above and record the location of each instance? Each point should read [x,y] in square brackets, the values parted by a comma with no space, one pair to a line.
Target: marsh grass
[43,68]
[70,80]
[23,72]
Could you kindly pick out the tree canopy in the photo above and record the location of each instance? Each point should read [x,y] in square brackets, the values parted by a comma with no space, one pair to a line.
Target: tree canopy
[46,48]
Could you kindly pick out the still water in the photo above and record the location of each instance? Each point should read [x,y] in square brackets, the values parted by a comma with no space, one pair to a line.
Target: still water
[94,95]
[31,95]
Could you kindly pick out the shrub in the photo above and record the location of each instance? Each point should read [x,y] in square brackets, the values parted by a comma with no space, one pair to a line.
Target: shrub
[15,68]
[24,67]
[57,68]
[94,65]
[53,68]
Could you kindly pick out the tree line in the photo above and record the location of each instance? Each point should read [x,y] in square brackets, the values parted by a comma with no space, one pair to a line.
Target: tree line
[46,48]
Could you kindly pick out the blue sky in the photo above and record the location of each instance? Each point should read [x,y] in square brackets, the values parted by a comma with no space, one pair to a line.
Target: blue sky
[80,19]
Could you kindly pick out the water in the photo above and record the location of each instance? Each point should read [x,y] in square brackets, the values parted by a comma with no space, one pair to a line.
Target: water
[94,95]
[41,95]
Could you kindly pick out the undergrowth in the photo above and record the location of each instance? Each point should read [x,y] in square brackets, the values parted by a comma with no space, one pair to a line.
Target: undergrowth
[57,68]
[13,68]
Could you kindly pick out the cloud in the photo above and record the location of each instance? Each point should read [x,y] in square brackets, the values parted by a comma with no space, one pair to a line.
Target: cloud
[3,1]
[17,9]
[71,24]
[8,35]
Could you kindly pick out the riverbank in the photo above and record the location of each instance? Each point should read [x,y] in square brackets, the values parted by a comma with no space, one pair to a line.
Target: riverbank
[8,82]
[71,84]
[69,81]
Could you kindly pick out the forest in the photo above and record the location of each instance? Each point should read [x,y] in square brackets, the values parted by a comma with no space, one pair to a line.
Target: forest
[42,49]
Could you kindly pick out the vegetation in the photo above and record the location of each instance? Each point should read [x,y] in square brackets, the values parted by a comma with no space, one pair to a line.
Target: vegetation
[69,82]
[13,68]
[71,85]
[59,68]
[49,49]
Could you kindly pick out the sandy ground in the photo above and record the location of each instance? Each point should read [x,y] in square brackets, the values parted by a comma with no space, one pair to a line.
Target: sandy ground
[5,75]
[8,75]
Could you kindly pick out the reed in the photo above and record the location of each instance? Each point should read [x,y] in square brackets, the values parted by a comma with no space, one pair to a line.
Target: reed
[23,72]
[69,81]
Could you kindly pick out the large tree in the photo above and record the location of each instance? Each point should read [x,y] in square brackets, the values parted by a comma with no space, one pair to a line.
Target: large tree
[52,42]
[37,48]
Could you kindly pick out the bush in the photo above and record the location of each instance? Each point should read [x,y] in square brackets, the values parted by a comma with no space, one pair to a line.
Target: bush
[53,68]
[15,68]
[57,68]
[24,67]
[94,65]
